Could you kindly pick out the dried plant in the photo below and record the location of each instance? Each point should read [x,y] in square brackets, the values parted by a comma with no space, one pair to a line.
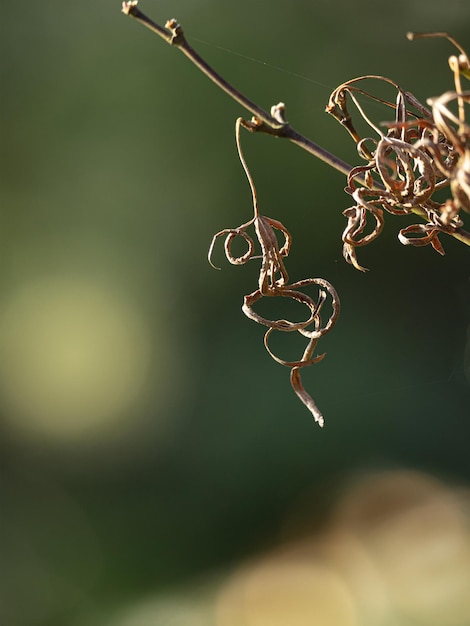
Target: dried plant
[422,151]
[273,281]
[408,161]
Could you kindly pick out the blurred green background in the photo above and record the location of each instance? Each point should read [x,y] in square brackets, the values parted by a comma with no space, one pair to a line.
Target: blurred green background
[154,461]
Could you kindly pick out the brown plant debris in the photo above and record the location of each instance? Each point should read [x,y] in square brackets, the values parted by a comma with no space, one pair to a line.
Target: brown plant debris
[422,151]
[273,281]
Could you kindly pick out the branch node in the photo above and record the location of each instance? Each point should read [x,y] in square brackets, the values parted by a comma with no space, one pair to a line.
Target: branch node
[252,125]
[177,34]
[278,112]
[129,8]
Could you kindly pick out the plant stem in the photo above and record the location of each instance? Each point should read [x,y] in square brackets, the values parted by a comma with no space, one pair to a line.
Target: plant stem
[271,123]
[173,35]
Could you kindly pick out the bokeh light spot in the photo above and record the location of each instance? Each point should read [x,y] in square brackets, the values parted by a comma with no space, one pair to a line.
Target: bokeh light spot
[417,533]
[280,590]
[74,359]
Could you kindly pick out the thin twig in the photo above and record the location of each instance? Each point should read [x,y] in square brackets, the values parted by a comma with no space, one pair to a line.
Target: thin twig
[272,123]
[265,122]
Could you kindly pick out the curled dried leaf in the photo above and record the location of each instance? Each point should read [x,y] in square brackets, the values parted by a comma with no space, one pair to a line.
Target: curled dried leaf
[357,220]
[428,234]
[231,234]
[284,325]
[300,363]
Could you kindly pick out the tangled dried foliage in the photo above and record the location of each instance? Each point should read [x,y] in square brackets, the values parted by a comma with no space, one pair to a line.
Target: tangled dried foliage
[273,281]
[410,163]
[422,151]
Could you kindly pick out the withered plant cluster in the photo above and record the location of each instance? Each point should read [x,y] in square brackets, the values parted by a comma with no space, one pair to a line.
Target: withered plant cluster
[417,162]
[423,151]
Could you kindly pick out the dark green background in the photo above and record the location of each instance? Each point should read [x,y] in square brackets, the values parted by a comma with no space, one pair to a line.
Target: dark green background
[118,164]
